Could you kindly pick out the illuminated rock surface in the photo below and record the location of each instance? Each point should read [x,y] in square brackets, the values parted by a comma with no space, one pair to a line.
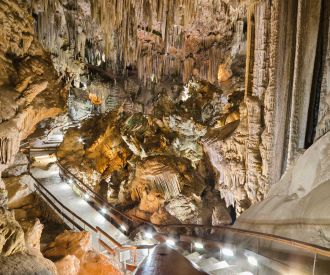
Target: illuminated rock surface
[182,111]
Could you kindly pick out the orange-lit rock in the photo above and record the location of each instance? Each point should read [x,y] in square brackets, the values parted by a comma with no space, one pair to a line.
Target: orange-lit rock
[224,73]
[94,263]
[69,243]
[69,265]
[75,256]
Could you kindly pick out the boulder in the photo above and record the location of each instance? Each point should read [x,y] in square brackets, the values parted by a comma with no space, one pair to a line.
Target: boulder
[69,243]
[32,235]
[20,191]
[94,263]
[73,249]
[19,167]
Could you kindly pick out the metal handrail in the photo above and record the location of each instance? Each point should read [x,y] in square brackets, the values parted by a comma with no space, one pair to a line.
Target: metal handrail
[270,237]
[324,251]
[40,185]
[265,236]
[100,198]
[57,208]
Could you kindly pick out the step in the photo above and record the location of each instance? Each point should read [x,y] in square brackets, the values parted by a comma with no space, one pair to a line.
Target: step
[216,266]
[194,257]
[204,263]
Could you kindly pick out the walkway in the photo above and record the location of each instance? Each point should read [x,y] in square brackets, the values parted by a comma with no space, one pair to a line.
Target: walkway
[238,252]
[60,189]
[165,261]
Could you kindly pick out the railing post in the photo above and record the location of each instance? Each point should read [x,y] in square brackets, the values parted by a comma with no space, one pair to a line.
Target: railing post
[314,263]
[135,256]
[100,238]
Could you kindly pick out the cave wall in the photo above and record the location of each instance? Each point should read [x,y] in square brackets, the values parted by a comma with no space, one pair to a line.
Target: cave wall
[284,38]
[284,61]
[30,91]
[29,86]
[153,39]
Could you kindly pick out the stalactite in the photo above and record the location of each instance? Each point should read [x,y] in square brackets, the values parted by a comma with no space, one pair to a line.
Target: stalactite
[155,37]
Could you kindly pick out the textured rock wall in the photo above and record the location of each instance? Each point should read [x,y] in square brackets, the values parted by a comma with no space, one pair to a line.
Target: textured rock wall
[297,206]
[152,162]
[280,72]
[154,39]
[242,159]
[308,18]
[323,122]
[30,91]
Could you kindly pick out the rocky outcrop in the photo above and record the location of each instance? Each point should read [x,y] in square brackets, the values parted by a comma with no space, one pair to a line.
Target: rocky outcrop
[69,265]
[69,243]
[297,206]
[32,236]
[75,256]
[21,263]
[154,159]
[29,85]
[18,167]
[30,92]
[20,250]
[11,234]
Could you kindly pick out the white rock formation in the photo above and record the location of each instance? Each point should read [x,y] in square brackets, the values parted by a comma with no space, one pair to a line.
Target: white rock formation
[298,205]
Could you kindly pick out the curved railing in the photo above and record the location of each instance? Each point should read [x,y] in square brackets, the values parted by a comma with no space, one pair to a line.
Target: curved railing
[194,228]
[115,215]
[261,244]
[207,234]
[172,228]
[103,239]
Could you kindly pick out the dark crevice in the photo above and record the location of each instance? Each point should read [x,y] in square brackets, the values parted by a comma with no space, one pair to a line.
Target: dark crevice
[321,50]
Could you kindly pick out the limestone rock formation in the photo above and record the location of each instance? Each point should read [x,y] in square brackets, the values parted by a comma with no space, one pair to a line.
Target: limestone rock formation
[150,159]
[75,256]
[28,81]
[164,39]
[69,265]
[21,263]
[20,251]
[32,235]
[30,92]
[96,263]
[297,206]
[11,235]
[69,243]
[18,167]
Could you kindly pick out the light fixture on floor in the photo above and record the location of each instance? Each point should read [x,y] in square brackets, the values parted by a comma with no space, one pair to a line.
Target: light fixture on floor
[86,196]
[123,227]
[148,235]
[103,210]
[170,242]
[227,252]
[70,181]
[198,245]
[80,139]
[252,260]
